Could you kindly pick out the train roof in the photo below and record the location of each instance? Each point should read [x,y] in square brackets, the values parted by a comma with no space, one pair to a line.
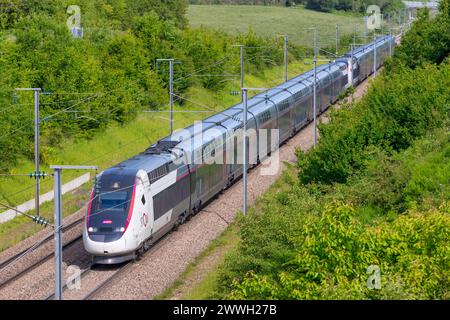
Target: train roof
[163,151]
[364,49]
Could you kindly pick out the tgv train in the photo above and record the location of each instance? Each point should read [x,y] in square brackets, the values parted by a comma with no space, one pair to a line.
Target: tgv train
[136,202]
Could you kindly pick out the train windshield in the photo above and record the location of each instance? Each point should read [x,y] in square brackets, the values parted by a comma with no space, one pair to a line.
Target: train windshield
[113,201]
[108,215]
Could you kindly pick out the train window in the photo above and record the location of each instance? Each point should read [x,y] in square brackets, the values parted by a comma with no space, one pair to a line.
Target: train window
[113,200]
[284,105]
[171,197]
[143,199]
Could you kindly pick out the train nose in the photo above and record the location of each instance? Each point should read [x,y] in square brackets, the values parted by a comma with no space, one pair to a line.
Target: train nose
[105,248]
[116,247]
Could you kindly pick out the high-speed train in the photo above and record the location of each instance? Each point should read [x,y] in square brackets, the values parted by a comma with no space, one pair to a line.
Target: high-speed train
[138,201]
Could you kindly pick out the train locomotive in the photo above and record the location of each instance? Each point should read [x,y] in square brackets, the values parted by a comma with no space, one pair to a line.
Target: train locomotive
[136,202]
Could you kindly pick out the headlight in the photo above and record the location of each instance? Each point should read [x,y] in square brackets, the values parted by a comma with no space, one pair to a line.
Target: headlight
[91,229]
[122,229]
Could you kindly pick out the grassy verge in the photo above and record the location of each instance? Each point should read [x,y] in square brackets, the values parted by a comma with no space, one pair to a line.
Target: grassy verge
[116,144]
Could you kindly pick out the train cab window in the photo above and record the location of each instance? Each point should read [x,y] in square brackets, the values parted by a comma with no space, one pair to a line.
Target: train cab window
[113,200]
[143,199]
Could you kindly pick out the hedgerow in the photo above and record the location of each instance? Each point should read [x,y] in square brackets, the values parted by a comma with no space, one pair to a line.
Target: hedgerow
[333,252]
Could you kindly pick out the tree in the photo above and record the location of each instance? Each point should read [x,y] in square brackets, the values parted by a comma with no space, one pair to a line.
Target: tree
[321,5]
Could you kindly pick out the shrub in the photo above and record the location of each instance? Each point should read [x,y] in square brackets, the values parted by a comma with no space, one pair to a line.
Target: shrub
[397,109]
[333,252]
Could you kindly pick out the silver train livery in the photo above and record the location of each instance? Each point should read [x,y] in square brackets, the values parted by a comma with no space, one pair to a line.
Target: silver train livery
[136,202]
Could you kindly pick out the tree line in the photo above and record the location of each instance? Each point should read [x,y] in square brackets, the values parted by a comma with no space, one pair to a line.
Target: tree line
[110,74]
[360,6]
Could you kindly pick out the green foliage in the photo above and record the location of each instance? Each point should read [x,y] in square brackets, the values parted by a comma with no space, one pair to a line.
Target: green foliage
[111,74]
[321,5]
[357,5]
[428,41]
[333,252]
[317,242]
[401,106]
[397,109]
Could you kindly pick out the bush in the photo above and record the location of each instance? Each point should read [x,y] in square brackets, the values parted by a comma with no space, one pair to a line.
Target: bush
[321,5]
[331,255]
[397,109]
[428,41]
[358,6]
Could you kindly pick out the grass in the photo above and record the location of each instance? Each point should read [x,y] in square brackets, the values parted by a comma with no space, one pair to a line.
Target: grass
[271,21]
[116,144]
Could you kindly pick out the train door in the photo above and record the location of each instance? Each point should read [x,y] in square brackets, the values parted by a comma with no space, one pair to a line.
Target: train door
[146,216]
[284,119]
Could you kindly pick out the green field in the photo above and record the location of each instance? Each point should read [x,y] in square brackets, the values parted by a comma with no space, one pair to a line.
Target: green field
[271,21]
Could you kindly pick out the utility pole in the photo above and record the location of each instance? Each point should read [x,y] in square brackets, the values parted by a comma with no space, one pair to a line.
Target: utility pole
[365,29]
[244,153]
[315,101]
[57,212]
[36,144]
[337,39]
[170,90]
[241,50]
[316,48]
[390,42]
[315,87]
[374,55]
[351,64]
[285,58]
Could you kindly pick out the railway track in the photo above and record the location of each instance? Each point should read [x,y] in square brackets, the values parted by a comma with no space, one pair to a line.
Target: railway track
[83,273]
[16,257]
[97,289]
[102,286]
